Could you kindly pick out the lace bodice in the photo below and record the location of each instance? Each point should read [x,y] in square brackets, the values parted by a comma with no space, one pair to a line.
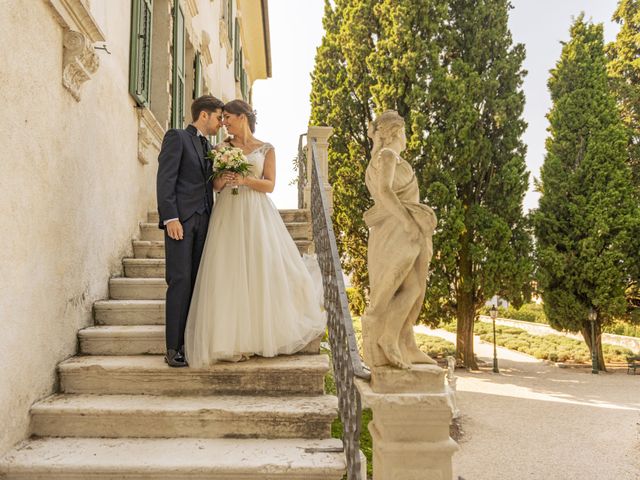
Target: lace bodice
[256,158]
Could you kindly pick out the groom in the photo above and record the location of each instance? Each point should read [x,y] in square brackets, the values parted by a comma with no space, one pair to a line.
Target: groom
[185,201]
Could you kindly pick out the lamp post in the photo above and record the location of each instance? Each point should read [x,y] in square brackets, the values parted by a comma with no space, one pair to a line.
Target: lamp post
[494,314]
[593,316]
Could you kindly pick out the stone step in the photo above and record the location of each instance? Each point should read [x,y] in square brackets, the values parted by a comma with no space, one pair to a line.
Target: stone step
[298,231]
[155,249]
[151,416]
[129,312]
[163,459]
[148,249]
[144,267]
[295,215]
[288,215]
[136,340]
[149,374]
[137,288]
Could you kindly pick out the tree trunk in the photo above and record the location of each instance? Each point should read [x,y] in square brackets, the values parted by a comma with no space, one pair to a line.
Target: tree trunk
[586,333]
[466,311]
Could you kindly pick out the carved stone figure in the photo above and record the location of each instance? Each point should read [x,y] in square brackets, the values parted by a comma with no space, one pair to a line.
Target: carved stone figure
[400,249]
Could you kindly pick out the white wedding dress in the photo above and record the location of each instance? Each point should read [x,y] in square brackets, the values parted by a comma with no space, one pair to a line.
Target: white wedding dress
[253,293]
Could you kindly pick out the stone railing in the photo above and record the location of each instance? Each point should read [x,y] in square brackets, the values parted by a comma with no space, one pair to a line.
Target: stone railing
[346,361]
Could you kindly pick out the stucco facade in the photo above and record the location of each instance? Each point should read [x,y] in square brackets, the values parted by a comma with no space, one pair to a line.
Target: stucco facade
[79,158]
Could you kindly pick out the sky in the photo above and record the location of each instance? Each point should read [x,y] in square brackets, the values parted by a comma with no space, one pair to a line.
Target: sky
[283,106]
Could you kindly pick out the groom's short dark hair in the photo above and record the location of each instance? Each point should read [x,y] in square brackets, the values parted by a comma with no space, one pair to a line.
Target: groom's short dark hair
[206,103]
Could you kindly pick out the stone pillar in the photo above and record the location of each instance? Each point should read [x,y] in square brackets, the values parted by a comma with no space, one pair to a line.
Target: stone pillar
[410,428]
[321,136]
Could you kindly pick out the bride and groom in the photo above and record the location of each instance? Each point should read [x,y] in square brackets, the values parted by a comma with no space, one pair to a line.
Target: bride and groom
[237,285]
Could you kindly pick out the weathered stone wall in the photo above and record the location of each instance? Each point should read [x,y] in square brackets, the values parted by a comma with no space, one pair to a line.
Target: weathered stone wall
[78,174]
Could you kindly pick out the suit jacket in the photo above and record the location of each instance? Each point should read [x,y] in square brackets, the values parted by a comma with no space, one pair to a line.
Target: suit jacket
[183,185]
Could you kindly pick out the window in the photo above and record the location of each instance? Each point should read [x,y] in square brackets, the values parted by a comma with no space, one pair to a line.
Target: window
[197,76]
[177,100]
[140,55]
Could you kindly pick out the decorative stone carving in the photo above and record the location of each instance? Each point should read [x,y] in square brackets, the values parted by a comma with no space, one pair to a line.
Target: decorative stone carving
[81,32]
[76,15]
[204,48]
[149,136]
[79,62]
[400,249]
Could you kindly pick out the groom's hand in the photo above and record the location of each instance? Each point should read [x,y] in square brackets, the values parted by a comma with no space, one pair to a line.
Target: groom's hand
[174,230]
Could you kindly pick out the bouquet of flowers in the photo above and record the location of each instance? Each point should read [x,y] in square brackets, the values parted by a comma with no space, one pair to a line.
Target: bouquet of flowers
[230,159]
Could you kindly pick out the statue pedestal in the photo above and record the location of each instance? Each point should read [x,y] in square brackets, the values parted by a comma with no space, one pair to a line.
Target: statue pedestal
[410,426]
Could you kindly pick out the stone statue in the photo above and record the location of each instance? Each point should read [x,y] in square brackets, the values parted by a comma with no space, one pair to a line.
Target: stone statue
[400,249]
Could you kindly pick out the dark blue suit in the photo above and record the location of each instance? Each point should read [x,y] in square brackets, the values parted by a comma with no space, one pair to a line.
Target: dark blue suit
[185,192]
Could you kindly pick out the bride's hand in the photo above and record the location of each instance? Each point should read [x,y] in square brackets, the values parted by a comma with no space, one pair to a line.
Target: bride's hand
[227,177]
[239,179]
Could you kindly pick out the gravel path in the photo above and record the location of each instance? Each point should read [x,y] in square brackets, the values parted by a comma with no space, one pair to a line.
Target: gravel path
[535,421]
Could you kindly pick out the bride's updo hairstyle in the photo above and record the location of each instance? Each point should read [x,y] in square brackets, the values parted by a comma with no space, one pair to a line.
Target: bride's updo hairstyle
[384,129]
[240,107]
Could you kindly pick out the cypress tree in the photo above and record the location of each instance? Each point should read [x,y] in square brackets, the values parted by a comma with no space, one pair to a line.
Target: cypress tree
[451,69]
[340,98]
[457,78]
[588,215]
[624,71]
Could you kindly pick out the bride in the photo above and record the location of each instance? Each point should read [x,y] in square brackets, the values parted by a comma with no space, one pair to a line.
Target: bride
[253,293]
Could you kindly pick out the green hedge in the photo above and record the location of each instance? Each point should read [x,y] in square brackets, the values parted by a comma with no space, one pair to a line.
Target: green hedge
[548,347]
[556,348]
[433,346]
[532,312]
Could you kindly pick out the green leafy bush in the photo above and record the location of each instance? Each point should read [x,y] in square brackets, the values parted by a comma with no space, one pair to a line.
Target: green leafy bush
[433,346]
[556,348]
[356,302]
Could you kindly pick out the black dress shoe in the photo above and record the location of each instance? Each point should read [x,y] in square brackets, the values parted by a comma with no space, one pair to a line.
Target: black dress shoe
[175,359]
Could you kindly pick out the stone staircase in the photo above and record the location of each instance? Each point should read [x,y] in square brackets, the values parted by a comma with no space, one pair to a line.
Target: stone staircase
[122,413]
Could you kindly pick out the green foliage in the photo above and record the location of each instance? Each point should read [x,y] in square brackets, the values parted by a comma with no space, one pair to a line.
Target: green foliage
[433,346]
[623,328]
[340,98]
[548,347]
[556,348]
[529,312]
[451,69]
[357,303]
[337,429]
[624,71]
[588,217]
[532,312]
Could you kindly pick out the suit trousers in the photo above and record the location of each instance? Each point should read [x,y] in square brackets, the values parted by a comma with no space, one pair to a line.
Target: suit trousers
[182,262]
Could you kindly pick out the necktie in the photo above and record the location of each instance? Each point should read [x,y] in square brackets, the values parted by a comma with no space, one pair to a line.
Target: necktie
[205,145]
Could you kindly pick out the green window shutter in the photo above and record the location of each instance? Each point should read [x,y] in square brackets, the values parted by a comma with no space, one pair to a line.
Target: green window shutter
[177,98]
[140,50]
[197,76]
[236,52]
[245,86]
[230,20]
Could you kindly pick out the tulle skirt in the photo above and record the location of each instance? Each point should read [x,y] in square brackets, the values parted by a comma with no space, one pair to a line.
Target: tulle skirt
[253,293]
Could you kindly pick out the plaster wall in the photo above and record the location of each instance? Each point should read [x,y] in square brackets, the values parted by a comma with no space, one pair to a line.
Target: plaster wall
[72,187]
[71,194]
